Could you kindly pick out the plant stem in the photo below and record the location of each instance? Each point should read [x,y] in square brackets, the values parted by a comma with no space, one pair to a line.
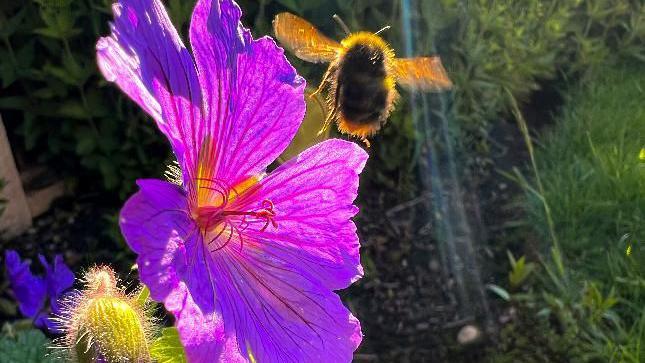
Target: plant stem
[529,145]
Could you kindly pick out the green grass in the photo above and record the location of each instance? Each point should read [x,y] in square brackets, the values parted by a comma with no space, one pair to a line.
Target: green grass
[586,199]
[588,205]
[593,180]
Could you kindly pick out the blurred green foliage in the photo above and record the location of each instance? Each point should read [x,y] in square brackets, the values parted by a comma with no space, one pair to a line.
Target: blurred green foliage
[56,103]
[595,187]
[25,346]
[531,339]
[520,271]
[518,45]
[569,317]
[590,184]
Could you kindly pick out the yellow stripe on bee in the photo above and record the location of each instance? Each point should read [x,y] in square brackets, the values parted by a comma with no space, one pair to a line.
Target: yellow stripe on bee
[389,82]
[368,39]
[361,130]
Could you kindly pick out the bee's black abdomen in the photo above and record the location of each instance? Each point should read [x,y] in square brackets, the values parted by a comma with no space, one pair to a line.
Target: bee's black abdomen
[362,95]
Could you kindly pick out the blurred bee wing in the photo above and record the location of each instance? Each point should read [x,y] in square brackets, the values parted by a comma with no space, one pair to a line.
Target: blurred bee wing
[422,73]
[303,39]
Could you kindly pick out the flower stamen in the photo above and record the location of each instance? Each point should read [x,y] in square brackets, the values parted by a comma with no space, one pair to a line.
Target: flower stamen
[216,224]
[228,240]
[267,213]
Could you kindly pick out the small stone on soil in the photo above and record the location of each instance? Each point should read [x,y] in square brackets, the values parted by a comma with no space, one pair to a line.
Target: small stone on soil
[469,334]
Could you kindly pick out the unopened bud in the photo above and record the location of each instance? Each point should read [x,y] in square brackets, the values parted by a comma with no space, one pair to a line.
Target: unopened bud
[103,324]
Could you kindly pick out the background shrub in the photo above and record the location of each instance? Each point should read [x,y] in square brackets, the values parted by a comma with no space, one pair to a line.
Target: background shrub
[59,110]
[516,46]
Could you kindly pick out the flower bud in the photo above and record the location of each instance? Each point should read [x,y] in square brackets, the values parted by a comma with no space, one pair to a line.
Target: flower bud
[103,324]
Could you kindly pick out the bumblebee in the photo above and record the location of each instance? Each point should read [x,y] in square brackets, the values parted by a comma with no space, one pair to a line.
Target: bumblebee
[361,79]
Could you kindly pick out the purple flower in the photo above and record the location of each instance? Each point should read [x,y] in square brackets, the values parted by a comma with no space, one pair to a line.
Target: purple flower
[32,292]
[247,262]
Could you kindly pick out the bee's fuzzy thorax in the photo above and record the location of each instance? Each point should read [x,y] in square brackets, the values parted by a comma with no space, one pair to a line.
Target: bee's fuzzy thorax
[368,38]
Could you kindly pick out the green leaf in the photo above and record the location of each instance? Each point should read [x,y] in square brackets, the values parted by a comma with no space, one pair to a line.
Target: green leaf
[8,74]
[520,270]
[77,72]
[10,25]
[25,54]
[544,312]
[143,295]
[72,109]
[27,346]
[30,130]
[60,73]
[49,32]
[7,307]
[54,3]
[85,141]
[44,93]
[15,103]
[499,291]
[167,348]
[97,106]
[511,258]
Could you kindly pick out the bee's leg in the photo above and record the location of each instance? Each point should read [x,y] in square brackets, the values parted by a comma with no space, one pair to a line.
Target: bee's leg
[323,109]
[328,121]
[325,81]
[367,142]
[332,114]
[319,89]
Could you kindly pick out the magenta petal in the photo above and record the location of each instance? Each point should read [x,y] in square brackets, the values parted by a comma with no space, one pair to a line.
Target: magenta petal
[280,314]
[274,290]
[202,335]
[253,98]
[146,57]
[313,195]
[124,68]
[156,226]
